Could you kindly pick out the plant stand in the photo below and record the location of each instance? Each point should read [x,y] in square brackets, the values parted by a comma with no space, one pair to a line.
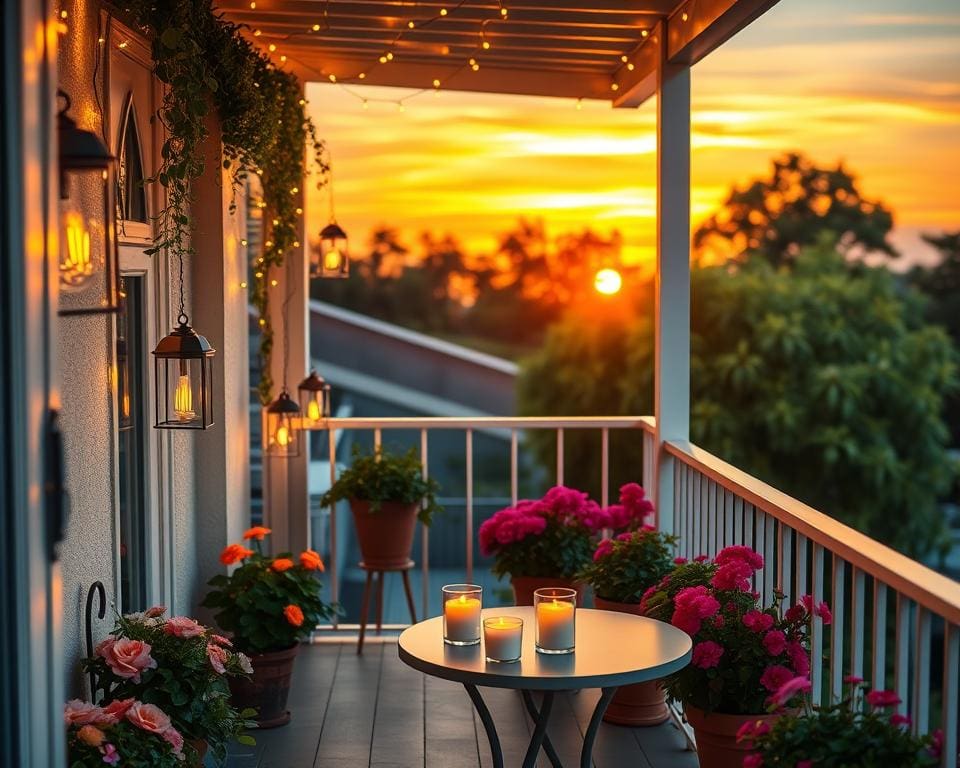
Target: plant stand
[378,572]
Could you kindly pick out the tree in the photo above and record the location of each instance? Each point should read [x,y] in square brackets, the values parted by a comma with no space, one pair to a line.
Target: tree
[778,216]
[822,380]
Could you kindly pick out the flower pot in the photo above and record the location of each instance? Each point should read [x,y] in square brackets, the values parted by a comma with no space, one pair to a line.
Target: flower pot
[200,747]
[716,735]
[267,689]
[524,586]
[641,704]
[386,537]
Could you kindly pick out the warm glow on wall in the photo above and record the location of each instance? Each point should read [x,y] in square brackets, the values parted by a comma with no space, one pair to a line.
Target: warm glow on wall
[608,282]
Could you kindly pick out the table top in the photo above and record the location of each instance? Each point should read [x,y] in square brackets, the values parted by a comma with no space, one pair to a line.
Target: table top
[612,649]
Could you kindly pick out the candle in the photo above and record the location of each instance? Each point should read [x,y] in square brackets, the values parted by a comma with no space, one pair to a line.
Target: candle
[502,638]
[555,612]
[461,614]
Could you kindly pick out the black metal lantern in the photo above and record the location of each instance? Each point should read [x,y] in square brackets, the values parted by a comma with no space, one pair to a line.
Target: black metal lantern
[314,395]
[183,367]
[283,427]
[332,258]
[89,268]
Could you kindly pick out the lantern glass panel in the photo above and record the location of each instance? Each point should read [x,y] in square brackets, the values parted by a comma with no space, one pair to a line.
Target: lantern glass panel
[184,389]
[283,434]
[331,259]
[315,404]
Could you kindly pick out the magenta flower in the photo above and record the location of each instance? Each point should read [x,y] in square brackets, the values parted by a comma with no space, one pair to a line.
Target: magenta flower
[793,686]
[741,553]
[775,642]
[110,754]
[897,720]
[775,676]
[752,761]
[798,657]
[604,548]
[734,574]
[757,621]
[707,654]
[882,699]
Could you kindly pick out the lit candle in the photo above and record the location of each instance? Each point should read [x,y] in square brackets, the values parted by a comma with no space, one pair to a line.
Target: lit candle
[461,614]
[502,638]
[555,625]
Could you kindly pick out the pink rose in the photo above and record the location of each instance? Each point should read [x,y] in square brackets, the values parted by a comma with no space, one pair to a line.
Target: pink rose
[127,658]
[155,612]
[738,552]
[706,655]
[679,560]
[76,712]
[799,659]
[172,736]
[752,761]
[118,709]
[604,548]
[181,626]
[757,621]
[148,717]
[774,642]
[896,719]
[775,676]
[218,657]
[734,574]
[804,764]
[795,613]
[882,699]
[221,640]
[852,680]
[792,687]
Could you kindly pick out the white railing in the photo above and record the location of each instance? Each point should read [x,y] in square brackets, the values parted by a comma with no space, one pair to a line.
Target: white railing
[510,428]
[885,605]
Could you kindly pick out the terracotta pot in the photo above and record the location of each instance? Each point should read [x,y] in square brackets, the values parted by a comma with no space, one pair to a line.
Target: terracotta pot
[642,704]
[716,736]
[200,745]
[386,537]
[266,691]
[524,587]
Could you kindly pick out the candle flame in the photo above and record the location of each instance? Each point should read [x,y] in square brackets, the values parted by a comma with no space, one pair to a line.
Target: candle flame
[313,410]
[463,598]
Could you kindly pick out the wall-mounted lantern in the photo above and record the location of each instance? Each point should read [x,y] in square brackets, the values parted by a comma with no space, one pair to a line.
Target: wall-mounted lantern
[331,259]
[183,367]
[283,427]
[89,268]
[314,396]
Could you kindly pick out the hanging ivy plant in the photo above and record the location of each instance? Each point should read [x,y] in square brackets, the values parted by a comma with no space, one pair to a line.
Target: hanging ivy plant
[206,63]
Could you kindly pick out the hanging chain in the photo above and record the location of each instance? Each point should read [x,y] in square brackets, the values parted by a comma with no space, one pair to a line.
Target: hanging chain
[286,334]
[333,218]
[182,318]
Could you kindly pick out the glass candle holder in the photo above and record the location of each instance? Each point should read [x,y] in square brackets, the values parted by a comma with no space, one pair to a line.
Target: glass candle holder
[555,609]
[461,614]
[502,638]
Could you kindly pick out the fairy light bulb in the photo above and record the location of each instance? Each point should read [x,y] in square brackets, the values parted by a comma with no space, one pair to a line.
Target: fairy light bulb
[486,45]
[410,25]
[315,27]
[443,11]
[183,397]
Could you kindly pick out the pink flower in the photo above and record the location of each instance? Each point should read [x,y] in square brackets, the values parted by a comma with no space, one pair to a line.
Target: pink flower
[795,613]
[155,612]
[118,709]
[627,536]
[804,764]
[634,500]
[604,548]
[821,609]
[126,658]
[679,560]
[936,746]
[182,626]
[221,640]
[852,680]
[700,559]
[882,699]
[690,606]
[738,552]
[799,659]
[707,654]
[172,736]
[791,687]
[752,761]
[753,729]
[76,712]
[218,657]
[775,676]
[110,754]
[757,621]
[734,574]
[148,717]
[775,642]
[896,719]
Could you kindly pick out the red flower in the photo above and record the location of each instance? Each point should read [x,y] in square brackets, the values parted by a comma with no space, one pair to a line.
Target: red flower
[882,699]
[799,659]
[775,642]
[741,553]
[734,574]
[282,564]
[897,720]
[257,532]
[311,560]
[757,621]
[234,553]
[852,680]
[753,729]
[752,761]
[774,677]
[790,688]
[795,613]
[707,654]
[294,615]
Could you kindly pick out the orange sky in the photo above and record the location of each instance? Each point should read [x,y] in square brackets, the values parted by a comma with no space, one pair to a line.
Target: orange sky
[876,84]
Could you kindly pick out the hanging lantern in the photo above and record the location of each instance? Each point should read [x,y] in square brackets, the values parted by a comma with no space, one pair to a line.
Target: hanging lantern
[331,259]
[314,396]
[89,269]
[283,427]
[183,367]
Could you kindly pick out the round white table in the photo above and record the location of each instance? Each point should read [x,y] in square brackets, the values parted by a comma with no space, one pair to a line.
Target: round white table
[612,649]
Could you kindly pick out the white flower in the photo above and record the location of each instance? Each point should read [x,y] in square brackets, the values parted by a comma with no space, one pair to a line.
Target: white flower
[245,664]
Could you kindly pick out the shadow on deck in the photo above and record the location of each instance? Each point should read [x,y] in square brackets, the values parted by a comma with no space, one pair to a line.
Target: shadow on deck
[373,710]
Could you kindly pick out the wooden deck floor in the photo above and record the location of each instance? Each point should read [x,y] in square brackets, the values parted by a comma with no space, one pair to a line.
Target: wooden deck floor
[373,710]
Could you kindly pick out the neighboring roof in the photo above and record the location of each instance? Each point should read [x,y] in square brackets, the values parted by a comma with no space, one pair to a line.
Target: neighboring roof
[596,49]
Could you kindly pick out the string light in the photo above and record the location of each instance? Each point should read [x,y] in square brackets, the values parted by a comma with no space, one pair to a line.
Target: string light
[630,66]
[243,241]
[383,59]
[257,33]
[315,27]
[644,32]
[389,56]
[410,25]
[436,83]
[283,59]
[684,16]
[64,14]
[243,284]
[253,6]
[333,78]
[579,104]
[624,58]
[486,45]
[123,44]
[271,47]
[362,75]
[273,283]
[443,11]
[614,87]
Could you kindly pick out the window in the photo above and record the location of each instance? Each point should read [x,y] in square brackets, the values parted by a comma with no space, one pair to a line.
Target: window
[131,194]
[132,449]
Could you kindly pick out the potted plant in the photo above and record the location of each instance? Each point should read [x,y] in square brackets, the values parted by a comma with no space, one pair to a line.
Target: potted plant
[743,653]
[623,568]
[545,542]
[387,494]
[126,733]
[268,605]
[859,730]
[179,666]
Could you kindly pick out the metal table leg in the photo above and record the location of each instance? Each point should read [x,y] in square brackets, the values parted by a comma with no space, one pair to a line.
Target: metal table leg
[539,732]
[535,715]
[488,725]
[586,755]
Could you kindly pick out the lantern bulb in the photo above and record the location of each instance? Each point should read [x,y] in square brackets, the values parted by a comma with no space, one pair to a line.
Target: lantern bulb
[76,267]
[283,436]
[183,399]
[313,410]
[332,260]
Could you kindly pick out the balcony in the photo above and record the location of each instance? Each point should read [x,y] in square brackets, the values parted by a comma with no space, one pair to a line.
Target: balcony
[895,621]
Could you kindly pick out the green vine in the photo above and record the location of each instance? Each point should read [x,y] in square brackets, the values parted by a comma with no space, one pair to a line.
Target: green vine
[205,62]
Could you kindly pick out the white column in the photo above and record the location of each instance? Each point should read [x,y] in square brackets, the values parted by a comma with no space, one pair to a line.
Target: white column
[672,289]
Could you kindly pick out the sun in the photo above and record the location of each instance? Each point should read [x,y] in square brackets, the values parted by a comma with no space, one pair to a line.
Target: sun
[608,282]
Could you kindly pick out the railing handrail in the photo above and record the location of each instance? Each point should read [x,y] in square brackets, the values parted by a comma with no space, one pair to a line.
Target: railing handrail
[935,592]
[488,422]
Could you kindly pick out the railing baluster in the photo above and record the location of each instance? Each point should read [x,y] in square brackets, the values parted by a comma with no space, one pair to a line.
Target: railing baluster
[901,671]
[334,571]
[698,528]
[816,630]
[857,633]
[738,520]
[469,506]
[728,519]
[801,565]
[424,536]
[377,439]
[784,575]
[688,503]
[921,673]
[878,677]
[951,679]
[514,468]
[560,456]
[604,467]
[711,507]
[836,630]
[768,557]
[677,504]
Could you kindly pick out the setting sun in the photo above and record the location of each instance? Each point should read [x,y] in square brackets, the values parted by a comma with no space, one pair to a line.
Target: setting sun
[608,282]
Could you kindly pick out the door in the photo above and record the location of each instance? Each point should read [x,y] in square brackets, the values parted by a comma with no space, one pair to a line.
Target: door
[31,671]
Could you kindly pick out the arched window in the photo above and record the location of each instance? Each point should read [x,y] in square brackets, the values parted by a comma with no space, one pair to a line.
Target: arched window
[131,194]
